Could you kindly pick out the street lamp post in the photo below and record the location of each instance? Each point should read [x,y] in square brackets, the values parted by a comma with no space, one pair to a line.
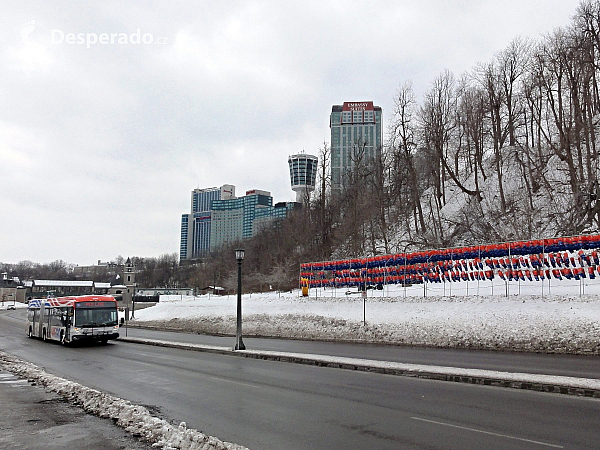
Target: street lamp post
[404,269]
[239,344]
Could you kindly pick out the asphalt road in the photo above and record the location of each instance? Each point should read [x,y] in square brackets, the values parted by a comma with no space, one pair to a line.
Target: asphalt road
[273,405]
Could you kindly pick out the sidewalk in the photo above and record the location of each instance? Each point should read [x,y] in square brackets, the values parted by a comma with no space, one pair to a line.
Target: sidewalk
[546,383]
[31,418]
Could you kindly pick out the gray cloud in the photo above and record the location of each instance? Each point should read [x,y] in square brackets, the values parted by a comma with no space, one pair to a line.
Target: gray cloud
[101,146]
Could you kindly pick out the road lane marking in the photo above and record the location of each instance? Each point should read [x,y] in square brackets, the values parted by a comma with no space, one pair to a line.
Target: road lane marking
[488,432]
[235,382]
[13,382]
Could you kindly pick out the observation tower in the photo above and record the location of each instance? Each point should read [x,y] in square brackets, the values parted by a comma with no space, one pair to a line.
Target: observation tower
[303,174]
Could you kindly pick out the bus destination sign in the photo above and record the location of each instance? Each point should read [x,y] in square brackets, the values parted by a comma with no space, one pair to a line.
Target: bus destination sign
[95,304]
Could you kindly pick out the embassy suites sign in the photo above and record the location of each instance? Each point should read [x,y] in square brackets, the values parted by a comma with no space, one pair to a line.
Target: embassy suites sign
[358,106]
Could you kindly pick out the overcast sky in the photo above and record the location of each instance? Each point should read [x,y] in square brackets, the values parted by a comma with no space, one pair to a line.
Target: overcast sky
[102,143]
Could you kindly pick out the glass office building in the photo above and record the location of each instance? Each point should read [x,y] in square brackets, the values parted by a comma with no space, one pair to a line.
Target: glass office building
[233,219]
[265,217]
[183,246]
[228,219]
[196,226]
[202,225]
[356,137]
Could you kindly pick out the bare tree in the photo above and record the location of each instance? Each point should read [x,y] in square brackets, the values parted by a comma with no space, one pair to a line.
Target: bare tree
[438,122]
[490,79]
[512,64]
[403,146]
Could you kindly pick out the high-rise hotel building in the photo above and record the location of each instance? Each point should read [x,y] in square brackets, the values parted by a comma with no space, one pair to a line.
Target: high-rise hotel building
[356,135]
[218,218]
[196,226]
[233,219]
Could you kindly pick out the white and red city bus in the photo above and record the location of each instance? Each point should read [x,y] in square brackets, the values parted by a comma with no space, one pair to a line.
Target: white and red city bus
[70,319]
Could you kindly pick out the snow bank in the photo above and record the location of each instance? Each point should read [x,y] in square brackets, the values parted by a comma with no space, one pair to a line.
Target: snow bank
[17,305]
[560,324]
[133,418]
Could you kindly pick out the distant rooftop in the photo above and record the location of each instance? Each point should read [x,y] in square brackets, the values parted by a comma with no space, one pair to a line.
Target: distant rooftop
[55,283]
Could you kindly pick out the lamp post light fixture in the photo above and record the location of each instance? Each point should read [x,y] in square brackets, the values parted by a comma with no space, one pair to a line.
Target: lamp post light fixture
[239,344]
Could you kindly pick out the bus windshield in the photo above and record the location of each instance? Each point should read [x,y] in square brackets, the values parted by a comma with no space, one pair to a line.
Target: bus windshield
[95,317]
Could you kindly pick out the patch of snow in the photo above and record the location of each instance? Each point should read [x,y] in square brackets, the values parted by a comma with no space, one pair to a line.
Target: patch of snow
[561,323]
[133,418]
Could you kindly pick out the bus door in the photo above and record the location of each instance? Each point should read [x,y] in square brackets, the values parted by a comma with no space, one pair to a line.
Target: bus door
[66,319]
[33,319]
[42,319]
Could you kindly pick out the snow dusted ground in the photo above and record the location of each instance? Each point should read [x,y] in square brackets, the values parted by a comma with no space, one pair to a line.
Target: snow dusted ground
[17,305]
[133,418]
[528,319]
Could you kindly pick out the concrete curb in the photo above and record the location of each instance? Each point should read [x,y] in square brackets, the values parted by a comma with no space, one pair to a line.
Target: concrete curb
[587,387]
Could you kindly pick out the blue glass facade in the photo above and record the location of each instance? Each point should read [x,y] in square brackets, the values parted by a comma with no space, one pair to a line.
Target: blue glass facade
[266,216]
[202,225]
[195,227]
[228,219]
[203,198]
[233,220]
[183,247]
